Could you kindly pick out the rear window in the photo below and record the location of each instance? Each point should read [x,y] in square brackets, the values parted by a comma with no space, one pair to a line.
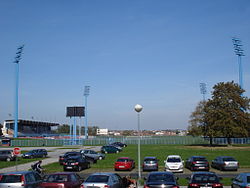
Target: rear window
[11,179]
[200,159]
[122,160]
[248,179]
[98,179]
[161,177]
[174,160]
[228,159]
[148,161]
[203,178]
[57,178]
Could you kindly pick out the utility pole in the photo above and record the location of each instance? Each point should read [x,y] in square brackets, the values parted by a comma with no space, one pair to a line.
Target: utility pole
[86,94]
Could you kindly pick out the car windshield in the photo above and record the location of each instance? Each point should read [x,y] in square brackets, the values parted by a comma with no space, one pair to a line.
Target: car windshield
[11,179]
[122,160]
[174,160]
[205,178]
[228,159]
[160,177]
[57,178]
[98,179]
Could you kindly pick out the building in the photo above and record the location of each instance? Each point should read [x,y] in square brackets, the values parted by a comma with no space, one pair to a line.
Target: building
[28,128]
[102,132]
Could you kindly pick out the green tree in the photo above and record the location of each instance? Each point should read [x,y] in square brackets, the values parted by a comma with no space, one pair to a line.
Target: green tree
[197,120]
[63,129]
[226,114]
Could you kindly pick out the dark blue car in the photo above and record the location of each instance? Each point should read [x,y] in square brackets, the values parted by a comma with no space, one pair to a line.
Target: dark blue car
[35,153]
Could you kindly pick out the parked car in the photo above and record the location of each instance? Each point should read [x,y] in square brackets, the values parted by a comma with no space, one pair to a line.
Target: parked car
[62,179]
[36,153]
[225,163]
[241,181]
[124,163]
[29,179]
[63,157]
[102,180]
[110,149]
[75,163]
[7,155]
[150,164]
[174,163]
[197,163]
[93,154]
[204,179]
[119,144]
[161,179]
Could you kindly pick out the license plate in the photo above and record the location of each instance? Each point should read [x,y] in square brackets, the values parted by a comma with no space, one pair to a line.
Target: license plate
[206,187]
[202,167]
[121,166]
[69,167]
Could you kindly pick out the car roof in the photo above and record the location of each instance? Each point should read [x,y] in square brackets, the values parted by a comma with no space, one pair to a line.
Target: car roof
[174,156]
[150,158]
[62,173]
[16,172]
[102,173]
[152,173]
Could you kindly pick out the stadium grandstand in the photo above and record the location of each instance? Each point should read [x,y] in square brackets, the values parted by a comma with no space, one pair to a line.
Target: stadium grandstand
[28,128]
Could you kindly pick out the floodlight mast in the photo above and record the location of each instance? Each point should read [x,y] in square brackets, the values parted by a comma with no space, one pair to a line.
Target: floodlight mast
[86,94]
[203,89]
[239,52]
[17,60]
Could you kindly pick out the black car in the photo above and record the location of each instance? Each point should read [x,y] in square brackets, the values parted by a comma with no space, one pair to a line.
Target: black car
[119,144]
[7,155]
[161,179]
[76,163]
[110,149]
[63,157]
[204,179]
[35,153]
[197,163]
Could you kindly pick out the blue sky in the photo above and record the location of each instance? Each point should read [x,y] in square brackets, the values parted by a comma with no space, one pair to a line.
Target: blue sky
[151,52]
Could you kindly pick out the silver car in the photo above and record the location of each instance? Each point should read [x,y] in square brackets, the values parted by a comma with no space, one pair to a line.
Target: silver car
[22,179]
[225,163]
[103,180]
[93,154]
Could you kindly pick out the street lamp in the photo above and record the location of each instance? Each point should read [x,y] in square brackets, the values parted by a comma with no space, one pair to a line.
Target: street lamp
[138,109]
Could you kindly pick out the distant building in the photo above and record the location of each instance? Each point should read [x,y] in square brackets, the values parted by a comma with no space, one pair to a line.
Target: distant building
[102,132]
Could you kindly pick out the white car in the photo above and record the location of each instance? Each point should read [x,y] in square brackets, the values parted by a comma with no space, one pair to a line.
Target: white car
[174,163]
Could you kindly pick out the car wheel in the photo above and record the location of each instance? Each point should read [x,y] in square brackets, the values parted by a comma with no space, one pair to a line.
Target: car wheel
[100,158]
[106,152]
[117,151]
[8,159]
[44,156]
[220,168]
[64,169]
[88,166]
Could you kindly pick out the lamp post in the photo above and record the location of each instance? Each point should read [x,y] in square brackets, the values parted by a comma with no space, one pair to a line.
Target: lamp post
[17,60]
[138,109]
[86,94]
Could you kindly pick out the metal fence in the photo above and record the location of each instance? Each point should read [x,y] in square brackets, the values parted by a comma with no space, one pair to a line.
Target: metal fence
[181,140]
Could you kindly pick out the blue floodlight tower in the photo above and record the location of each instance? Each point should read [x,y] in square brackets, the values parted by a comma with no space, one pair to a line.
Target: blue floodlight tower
[239,52]
[86,94]
[17,60]
[203,89]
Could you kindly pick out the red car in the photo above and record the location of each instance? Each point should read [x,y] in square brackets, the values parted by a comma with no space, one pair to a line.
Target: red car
[124,163]
[62,179]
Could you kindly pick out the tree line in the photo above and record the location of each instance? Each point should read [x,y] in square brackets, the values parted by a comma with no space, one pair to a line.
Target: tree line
[226,114]
[65,129]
